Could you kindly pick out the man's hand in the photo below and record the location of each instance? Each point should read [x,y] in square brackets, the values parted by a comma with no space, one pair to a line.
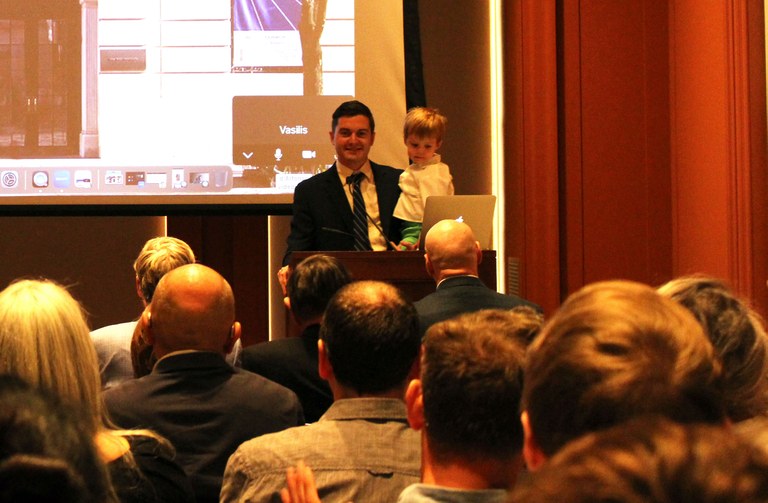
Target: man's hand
[301,485]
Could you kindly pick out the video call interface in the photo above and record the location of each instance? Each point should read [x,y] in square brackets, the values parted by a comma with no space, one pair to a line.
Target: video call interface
[259,128]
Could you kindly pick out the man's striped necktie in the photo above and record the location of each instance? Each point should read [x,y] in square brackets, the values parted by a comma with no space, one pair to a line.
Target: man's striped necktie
[359,215]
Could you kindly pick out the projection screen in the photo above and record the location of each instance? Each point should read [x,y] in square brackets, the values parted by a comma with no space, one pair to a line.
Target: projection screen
[224,103]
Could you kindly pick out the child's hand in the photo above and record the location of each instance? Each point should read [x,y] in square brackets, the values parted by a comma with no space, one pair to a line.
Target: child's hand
[406,246]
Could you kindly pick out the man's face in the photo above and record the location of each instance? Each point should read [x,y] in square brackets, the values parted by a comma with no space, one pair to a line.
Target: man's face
[353,140]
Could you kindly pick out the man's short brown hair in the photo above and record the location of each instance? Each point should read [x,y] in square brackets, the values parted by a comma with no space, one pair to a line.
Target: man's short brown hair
[616,350]
[472,381]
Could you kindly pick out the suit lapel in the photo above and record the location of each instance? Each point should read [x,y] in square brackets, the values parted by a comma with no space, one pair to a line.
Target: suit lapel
[386,201]
[338,198]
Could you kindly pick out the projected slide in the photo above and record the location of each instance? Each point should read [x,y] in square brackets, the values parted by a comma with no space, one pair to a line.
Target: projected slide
[215,101]
[265,35]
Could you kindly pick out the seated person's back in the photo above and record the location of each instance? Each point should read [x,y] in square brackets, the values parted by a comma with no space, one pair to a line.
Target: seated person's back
[203,405]
[362,448]
[292,362]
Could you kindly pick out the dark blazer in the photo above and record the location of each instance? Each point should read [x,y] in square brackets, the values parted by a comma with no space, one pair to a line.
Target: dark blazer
[322,218]
[206,408]
[292,362]
[463,294]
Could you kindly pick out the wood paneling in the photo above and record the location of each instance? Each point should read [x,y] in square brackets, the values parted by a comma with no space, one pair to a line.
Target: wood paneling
[719,142]
[615,163]
[531,149]
[660,143]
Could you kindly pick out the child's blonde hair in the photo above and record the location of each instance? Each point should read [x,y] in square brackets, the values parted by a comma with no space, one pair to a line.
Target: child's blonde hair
[424,122]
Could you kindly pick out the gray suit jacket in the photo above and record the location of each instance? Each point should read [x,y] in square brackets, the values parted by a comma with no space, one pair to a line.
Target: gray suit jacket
[362,449]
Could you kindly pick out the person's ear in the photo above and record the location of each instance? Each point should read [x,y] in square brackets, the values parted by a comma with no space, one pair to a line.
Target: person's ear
[139,292]
[532,453]
[428,264]
[414,403]
[323,364]
[478,252]
[234,335]
[146,327]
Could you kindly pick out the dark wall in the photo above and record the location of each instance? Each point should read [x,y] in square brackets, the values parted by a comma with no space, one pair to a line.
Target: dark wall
[455,52]
[92,255]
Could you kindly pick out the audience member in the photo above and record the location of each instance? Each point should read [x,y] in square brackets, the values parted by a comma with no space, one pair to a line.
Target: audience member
[652,460]
[362,448]
[613,351]
[113,343]
[464,405]
[323,205]
[452,258]
[292,362]
[739,338]
[46,453]
[193,396]
[44,340]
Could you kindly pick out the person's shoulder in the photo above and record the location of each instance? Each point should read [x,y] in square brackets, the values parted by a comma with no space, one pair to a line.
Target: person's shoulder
[442,168]
[285,442]
[251,382]
[311,188]
[425,301]
[125,392]
[527,303]
[258,465]
[117,331]
[270,347]
[510,301]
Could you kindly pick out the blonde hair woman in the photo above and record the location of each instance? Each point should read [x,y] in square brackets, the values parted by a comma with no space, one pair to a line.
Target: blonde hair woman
[44,340]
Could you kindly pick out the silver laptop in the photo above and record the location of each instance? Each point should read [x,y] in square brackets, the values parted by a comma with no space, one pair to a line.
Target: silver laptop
[475,211]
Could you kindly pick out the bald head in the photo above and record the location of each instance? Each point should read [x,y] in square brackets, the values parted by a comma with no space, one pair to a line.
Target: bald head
[193,308]
[451,249]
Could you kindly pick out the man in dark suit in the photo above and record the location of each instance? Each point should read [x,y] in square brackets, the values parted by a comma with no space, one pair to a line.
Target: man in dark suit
[452,256]
[322,205]
[292,362]
[193,397]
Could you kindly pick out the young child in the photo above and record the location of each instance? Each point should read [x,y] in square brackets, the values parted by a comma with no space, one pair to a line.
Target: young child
[423,133]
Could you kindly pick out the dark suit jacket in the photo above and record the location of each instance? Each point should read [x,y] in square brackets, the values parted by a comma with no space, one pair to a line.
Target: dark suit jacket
[322,218]
[206,408]
[292,362]
[462,294]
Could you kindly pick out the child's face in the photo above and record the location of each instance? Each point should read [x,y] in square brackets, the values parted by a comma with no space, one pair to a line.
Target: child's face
[421,150]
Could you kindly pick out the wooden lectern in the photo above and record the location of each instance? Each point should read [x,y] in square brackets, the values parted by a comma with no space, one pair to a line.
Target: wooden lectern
[404,269]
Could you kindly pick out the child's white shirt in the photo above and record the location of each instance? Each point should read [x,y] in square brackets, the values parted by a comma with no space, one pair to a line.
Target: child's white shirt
[418,182]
